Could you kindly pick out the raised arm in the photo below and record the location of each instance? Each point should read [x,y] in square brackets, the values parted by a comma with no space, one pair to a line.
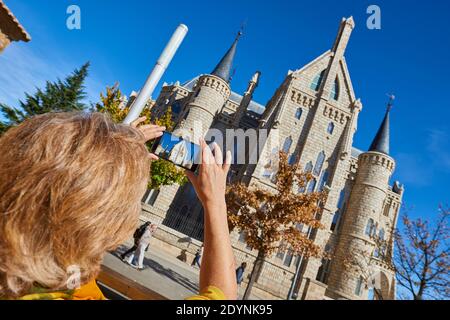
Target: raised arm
[218,265]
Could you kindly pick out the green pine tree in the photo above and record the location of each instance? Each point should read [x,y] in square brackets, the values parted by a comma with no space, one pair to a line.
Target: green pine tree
[59,96]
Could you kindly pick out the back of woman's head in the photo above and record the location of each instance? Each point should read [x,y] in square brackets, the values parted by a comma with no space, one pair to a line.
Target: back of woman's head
[70,189]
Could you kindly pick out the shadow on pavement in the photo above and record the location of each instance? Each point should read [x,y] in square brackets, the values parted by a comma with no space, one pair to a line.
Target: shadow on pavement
[167,272]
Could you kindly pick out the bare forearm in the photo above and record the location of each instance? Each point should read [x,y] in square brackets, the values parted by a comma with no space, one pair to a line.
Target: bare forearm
[218,267]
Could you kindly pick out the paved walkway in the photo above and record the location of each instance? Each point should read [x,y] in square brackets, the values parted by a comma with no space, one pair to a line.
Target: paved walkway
[164,274]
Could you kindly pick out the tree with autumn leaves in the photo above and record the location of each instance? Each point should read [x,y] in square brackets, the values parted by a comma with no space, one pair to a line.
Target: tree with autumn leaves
[273,220]
[162,172]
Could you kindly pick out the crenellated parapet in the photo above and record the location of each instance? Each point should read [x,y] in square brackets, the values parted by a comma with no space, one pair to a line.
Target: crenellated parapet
[215,83]
[373,158]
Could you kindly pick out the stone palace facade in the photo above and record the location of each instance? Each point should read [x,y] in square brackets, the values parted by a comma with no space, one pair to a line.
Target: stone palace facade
[315,112]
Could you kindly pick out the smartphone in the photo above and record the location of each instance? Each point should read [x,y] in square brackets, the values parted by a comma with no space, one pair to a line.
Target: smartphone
[177,150]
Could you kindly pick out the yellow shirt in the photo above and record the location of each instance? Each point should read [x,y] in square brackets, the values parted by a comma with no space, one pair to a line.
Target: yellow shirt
[209,293]
[91,291]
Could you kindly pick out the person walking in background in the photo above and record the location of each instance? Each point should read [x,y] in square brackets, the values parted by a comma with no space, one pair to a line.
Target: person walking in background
[137,259]
[136,236]
[240,272]
[198,256]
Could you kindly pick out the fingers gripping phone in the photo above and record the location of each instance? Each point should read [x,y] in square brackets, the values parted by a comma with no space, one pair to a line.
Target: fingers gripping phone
[177,150]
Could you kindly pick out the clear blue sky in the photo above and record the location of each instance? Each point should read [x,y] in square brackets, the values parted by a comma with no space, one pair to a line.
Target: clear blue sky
[409,56]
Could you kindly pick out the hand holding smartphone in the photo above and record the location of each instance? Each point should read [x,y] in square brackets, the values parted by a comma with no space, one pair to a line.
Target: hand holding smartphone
[177,150]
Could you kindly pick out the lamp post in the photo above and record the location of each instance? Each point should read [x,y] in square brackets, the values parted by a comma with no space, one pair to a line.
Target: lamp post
[156,74]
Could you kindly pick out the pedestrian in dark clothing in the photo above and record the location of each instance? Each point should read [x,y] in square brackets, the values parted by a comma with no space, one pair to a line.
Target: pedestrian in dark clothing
[198,256]
[240,272]
[137,235]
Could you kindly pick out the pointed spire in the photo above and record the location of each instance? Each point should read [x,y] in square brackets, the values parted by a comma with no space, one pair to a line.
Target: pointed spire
[223,68]
[381,141]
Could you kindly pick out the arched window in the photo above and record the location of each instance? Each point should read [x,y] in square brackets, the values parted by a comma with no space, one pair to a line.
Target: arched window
[323,180]
[298,113]
[311,186]
[334,94]
[291,159]
[340,203]
[315,84]
[376,252]
[319,163]
[308,167]
[369,227]
[381,234]
[287,144]
[373,232]
[337,214]
[330,128]
[359,284]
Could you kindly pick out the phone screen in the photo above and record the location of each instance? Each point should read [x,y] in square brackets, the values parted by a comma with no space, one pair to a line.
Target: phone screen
[177,150]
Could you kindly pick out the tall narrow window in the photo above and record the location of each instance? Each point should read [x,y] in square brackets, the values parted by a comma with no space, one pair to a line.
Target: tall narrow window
[381,234]
[311,186]
[315,84]
[147,193]
[287,144]
[338,213]
[152,199]
[330,128]
[358,289]
[369,227]
[288,258]
[334,94]
[280,252]
[151,196]
[340,204]
[387,208]
[298,113]
[324,270]
[376,252]
[235,151]
[323,180]
[291,159]
[335,221]
[308,167]
[383,250]
[319,163]
[373,232]
[242,237]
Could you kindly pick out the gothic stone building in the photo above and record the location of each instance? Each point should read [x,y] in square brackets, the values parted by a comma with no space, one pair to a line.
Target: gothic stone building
[315,112]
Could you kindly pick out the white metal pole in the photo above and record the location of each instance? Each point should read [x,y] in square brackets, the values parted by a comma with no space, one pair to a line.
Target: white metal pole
[156,74]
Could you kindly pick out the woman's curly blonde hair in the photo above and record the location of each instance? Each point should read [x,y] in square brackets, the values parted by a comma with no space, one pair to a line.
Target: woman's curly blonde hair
[70,189]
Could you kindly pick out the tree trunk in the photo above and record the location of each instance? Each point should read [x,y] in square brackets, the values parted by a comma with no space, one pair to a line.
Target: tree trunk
[254,275]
